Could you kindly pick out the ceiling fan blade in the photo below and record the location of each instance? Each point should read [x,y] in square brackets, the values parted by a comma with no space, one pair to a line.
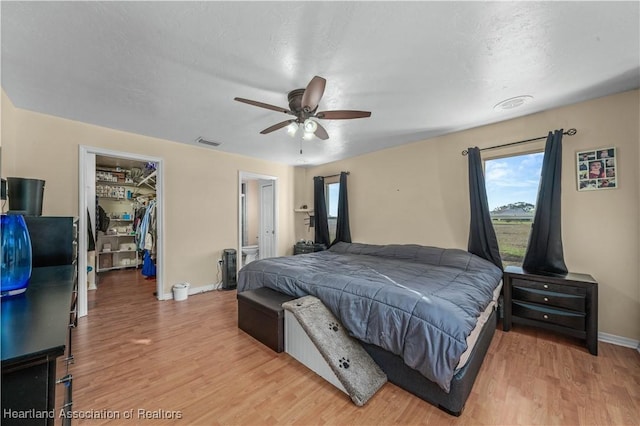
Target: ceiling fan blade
[313,93]
[321,132]
[277,126]
[342,115]
[263,105]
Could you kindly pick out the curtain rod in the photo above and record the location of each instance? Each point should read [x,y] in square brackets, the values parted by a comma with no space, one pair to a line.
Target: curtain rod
[569,132]
[333,175]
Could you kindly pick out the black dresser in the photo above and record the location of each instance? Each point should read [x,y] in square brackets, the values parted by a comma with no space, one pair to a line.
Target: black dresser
[37,328]
[563,303]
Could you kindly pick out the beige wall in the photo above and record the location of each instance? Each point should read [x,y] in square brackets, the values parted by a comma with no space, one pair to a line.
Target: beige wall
[302,231]
[200,186]
[7,132]
[418,193]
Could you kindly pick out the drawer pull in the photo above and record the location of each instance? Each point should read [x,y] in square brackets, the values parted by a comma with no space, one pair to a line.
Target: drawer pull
[545,316]
[546,286]
[546,299]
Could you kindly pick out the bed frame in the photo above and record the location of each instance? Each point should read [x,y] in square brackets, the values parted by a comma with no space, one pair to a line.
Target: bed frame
[394,367]
[412,381]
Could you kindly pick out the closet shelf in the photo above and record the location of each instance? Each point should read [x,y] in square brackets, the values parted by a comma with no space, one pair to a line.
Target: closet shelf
[116,198]
[107,182]
[152,180]
[117,251]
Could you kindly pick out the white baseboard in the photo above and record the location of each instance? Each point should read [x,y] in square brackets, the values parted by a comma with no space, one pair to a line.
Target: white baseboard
[619,340]
[195,290]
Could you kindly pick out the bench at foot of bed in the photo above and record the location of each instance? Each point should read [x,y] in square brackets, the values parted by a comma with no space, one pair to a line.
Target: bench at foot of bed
[260,314]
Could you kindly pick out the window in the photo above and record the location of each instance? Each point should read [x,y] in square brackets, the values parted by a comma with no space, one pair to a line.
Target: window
[512,190]
[331,192]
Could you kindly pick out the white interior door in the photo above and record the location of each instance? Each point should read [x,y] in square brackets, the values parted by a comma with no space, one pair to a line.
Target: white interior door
[267,220]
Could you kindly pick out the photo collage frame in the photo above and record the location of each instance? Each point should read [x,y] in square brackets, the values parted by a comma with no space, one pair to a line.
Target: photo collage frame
[597,169]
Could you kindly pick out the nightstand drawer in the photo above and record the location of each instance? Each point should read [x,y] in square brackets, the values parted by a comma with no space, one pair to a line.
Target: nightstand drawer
[548,315]
[550,298]
[546,286]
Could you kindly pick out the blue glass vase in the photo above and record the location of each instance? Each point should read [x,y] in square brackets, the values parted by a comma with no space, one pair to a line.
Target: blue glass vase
[16,256]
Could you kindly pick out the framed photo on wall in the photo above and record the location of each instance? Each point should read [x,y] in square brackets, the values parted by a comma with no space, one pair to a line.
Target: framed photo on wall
[597,169]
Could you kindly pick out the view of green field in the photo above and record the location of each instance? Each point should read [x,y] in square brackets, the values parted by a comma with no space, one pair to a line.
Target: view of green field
[512,239]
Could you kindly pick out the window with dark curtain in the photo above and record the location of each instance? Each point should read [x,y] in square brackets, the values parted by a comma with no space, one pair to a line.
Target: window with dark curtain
[320,210]
[544,251]
[482,236]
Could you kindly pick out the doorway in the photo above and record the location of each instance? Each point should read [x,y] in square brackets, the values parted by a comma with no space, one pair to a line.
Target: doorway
[87,192]
[257,217]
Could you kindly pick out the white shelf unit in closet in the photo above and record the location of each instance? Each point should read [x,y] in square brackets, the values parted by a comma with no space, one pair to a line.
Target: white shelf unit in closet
[117,250]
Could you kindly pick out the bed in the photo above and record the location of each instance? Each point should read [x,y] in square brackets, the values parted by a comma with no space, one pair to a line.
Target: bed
[425,314]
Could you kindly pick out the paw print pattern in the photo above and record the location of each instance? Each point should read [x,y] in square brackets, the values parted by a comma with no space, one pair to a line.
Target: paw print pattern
[333,326]
[344,363]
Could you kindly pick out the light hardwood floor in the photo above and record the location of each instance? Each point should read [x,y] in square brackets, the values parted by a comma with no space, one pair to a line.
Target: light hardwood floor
[135,353]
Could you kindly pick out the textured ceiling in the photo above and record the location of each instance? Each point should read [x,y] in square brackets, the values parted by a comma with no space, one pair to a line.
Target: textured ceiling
[171,69]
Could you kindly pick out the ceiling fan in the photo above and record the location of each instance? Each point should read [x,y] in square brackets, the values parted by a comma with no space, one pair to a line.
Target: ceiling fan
[303,104]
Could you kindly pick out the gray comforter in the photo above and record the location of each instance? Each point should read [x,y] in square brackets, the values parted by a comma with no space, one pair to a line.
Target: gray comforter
[418,302]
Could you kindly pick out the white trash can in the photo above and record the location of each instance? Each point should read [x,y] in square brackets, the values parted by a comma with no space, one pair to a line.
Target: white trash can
[181,291]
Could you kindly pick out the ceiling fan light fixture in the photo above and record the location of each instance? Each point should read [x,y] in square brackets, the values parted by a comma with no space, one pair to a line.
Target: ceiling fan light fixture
[512,103]
[292,129]
[310,126]
[307,136]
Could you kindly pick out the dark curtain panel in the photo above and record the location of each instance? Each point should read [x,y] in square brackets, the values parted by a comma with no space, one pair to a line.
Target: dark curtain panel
[544,251]
[321,225]
[482,236]
[343,232]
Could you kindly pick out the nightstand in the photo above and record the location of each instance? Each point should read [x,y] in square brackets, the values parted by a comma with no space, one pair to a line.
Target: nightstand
[303,248]
[566,304]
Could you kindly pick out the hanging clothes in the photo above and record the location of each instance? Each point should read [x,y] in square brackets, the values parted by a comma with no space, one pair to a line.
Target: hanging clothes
[146,239]
[91,241]
[102,219]
[146,232]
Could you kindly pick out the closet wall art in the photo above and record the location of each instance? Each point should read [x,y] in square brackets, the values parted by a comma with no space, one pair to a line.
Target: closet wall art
[597,169]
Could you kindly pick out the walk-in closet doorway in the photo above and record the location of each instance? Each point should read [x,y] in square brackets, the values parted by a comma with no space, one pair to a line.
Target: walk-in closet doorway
[87,192]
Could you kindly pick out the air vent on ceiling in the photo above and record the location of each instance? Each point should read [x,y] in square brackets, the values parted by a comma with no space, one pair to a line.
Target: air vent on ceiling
[206,142]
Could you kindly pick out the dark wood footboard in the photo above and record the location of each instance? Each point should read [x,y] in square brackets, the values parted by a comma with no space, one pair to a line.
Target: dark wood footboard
[412,381]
